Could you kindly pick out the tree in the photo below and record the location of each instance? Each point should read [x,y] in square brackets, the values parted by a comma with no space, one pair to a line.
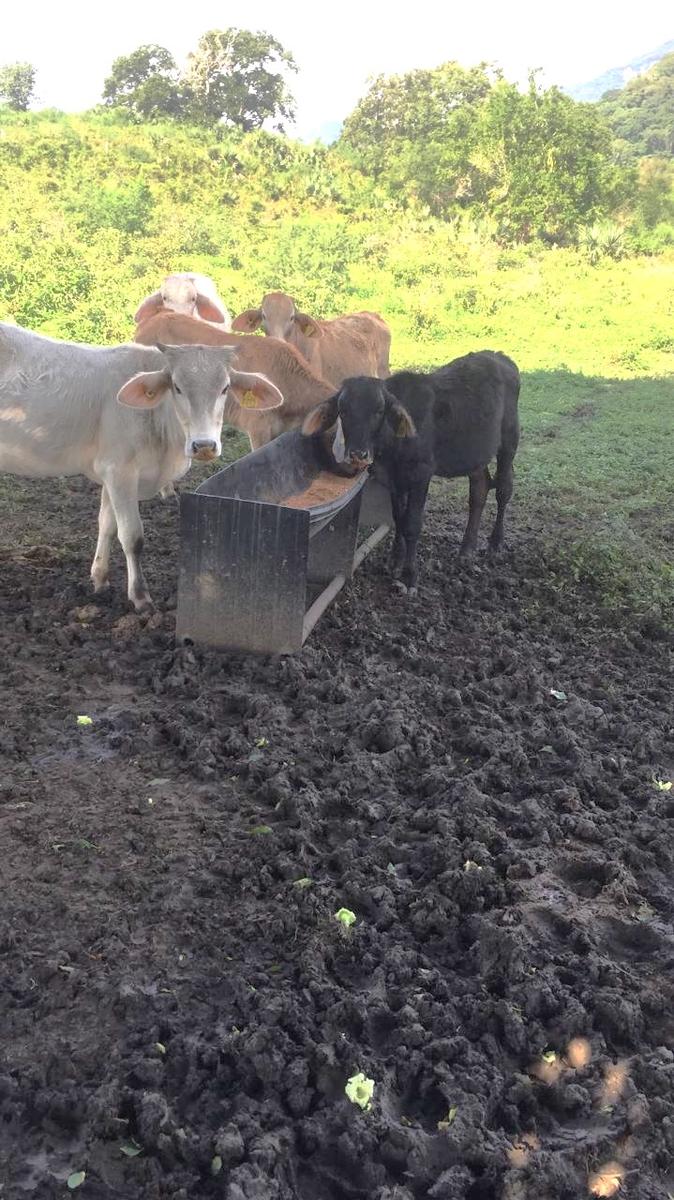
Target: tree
[457,138]
[415,132]
[146,84]
[231,78]
[17,85]
[642,113]
[548,161]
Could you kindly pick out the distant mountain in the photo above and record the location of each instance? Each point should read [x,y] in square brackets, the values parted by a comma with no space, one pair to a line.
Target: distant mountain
[617,77]
[327,132]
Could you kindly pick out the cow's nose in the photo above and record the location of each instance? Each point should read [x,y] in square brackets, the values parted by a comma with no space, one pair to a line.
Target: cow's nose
[198,447]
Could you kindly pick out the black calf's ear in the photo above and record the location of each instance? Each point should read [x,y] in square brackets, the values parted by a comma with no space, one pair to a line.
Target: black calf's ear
[398,418]
[320,418]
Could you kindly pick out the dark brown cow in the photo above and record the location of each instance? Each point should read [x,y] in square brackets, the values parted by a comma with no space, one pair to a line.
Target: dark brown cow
[279,362]
[358,344]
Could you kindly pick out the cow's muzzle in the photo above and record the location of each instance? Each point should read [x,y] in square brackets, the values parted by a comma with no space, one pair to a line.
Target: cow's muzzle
[204,451]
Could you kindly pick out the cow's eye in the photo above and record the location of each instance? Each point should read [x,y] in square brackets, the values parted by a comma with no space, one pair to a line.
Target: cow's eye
[225,389]
[177,389]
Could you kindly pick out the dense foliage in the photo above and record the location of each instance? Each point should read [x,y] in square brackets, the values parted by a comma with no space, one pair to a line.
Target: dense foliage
[642,113]
[536,160]
[17,85]
[93,211]
[234,76]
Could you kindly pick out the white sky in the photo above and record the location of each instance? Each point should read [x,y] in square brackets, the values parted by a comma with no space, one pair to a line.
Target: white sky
[337,44]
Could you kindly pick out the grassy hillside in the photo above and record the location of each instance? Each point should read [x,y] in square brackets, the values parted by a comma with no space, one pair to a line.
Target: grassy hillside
[93,213]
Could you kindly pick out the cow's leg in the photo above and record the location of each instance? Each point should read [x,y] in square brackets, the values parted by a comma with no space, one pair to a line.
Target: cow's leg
[123,490]
[479,487]
[412,526]
[504,490]
[107,526]
[399,501]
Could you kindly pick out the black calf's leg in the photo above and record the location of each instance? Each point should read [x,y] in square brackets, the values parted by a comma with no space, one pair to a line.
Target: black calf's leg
[480,482]
[504,490]
[412,525]
[399,508]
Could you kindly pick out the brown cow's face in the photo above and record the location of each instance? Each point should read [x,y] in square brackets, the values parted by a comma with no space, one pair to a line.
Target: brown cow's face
[278,315]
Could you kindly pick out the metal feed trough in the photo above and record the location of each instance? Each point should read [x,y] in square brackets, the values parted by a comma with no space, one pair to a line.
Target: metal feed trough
[257,568]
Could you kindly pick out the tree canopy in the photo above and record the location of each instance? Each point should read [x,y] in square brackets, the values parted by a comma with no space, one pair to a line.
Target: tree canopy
[642,113]
[457,138]
[233,77]
[239,77]
[146,84]
[17,85]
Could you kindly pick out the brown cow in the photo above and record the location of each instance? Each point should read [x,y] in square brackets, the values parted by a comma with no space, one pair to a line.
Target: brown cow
[279,362]
[358,344]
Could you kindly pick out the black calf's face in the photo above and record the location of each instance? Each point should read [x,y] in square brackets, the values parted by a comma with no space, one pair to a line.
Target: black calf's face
[361,409]
[364,410]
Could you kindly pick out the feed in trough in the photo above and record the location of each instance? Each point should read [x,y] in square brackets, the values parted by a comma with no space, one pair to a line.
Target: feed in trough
[323,489]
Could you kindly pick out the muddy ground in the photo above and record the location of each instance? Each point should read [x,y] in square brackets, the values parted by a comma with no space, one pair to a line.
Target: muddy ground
[180,1009]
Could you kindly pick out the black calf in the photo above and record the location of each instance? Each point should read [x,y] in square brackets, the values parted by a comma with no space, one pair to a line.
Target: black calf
[451,422]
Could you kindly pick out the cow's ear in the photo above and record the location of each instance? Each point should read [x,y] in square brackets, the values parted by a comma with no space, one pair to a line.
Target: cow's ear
[248,321]
[150,306]
[252,390]
[145,390]
[308,326]
[398,418]
[208,310]
[321,417]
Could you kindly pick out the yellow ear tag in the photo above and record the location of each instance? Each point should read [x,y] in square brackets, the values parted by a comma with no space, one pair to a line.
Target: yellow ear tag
[249,400]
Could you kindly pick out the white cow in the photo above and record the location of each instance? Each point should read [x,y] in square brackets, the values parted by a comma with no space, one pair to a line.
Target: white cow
[188,293]
[59,415]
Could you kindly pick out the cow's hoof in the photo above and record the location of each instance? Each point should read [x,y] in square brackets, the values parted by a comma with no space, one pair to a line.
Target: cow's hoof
[402,587]
[413,591]
[100,585]
[142,604]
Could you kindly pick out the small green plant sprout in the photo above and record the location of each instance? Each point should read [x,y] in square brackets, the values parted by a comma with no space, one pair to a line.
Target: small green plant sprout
[302,883]
[258,830]
[469,865]
[449,1119]
[359,1090]
[345,917]
[549,1056]
[131,1149]
[663,785]
[262,742]
[216,1164]
[160,1047]
[83,720]
[558,695]
[75,1180]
